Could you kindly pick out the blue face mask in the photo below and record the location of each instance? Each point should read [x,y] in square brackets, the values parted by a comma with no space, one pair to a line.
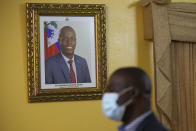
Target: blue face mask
[110,107]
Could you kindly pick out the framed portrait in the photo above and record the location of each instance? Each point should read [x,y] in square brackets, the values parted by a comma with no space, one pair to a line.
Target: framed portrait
[66,51]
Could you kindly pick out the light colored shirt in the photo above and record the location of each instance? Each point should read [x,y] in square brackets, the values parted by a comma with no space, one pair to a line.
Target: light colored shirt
[68,65]
[135,123]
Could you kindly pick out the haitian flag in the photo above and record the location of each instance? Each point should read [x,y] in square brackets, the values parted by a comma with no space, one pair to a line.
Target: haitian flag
[51,45]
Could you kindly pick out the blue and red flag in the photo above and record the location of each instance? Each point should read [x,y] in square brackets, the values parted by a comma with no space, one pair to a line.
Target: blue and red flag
[51,45]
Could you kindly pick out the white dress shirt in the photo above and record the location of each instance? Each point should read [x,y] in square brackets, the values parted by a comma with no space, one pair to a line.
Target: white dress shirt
[73,64]
[135,123]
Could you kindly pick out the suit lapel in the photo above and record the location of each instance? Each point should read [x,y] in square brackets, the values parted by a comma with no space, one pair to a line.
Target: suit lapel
[64,68]
[145,122]
[77,63]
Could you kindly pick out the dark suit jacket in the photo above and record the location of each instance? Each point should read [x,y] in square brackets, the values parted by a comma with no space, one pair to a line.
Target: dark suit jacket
[57,71]
[150,123]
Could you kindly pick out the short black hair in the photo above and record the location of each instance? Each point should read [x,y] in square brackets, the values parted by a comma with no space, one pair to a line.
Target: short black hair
[136,78]
[63,29]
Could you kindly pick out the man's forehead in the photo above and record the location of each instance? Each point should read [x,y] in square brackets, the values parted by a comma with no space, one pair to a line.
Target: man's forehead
[117,83]
[68,33]
[68,30]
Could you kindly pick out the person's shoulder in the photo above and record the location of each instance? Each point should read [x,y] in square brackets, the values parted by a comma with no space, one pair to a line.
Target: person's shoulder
[53,58]
[77,57]
[153,124]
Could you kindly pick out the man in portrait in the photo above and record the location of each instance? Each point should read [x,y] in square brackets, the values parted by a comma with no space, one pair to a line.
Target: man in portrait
[66,66]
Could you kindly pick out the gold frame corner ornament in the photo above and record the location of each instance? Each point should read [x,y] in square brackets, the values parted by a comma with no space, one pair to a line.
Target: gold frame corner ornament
[34,11]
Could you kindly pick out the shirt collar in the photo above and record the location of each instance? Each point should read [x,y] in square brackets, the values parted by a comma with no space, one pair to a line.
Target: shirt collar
[66,58]
[132,126]
[121,128]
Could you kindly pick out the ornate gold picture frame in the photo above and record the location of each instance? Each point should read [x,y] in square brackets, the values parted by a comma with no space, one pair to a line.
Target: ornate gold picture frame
[51,76]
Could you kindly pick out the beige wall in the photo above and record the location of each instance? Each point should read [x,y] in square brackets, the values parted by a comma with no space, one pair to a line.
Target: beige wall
[125,47]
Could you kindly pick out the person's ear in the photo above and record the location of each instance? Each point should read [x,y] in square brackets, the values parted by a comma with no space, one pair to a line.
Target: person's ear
[135,93]
[129,95]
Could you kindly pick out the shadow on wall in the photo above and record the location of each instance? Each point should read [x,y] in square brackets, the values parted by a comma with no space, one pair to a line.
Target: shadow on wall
[144,47]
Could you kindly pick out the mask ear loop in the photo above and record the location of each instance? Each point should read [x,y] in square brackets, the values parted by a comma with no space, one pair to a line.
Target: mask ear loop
[123,92]
[128,102]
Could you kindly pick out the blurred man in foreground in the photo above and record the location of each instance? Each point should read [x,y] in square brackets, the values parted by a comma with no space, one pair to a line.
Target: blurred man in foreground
[127,99]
